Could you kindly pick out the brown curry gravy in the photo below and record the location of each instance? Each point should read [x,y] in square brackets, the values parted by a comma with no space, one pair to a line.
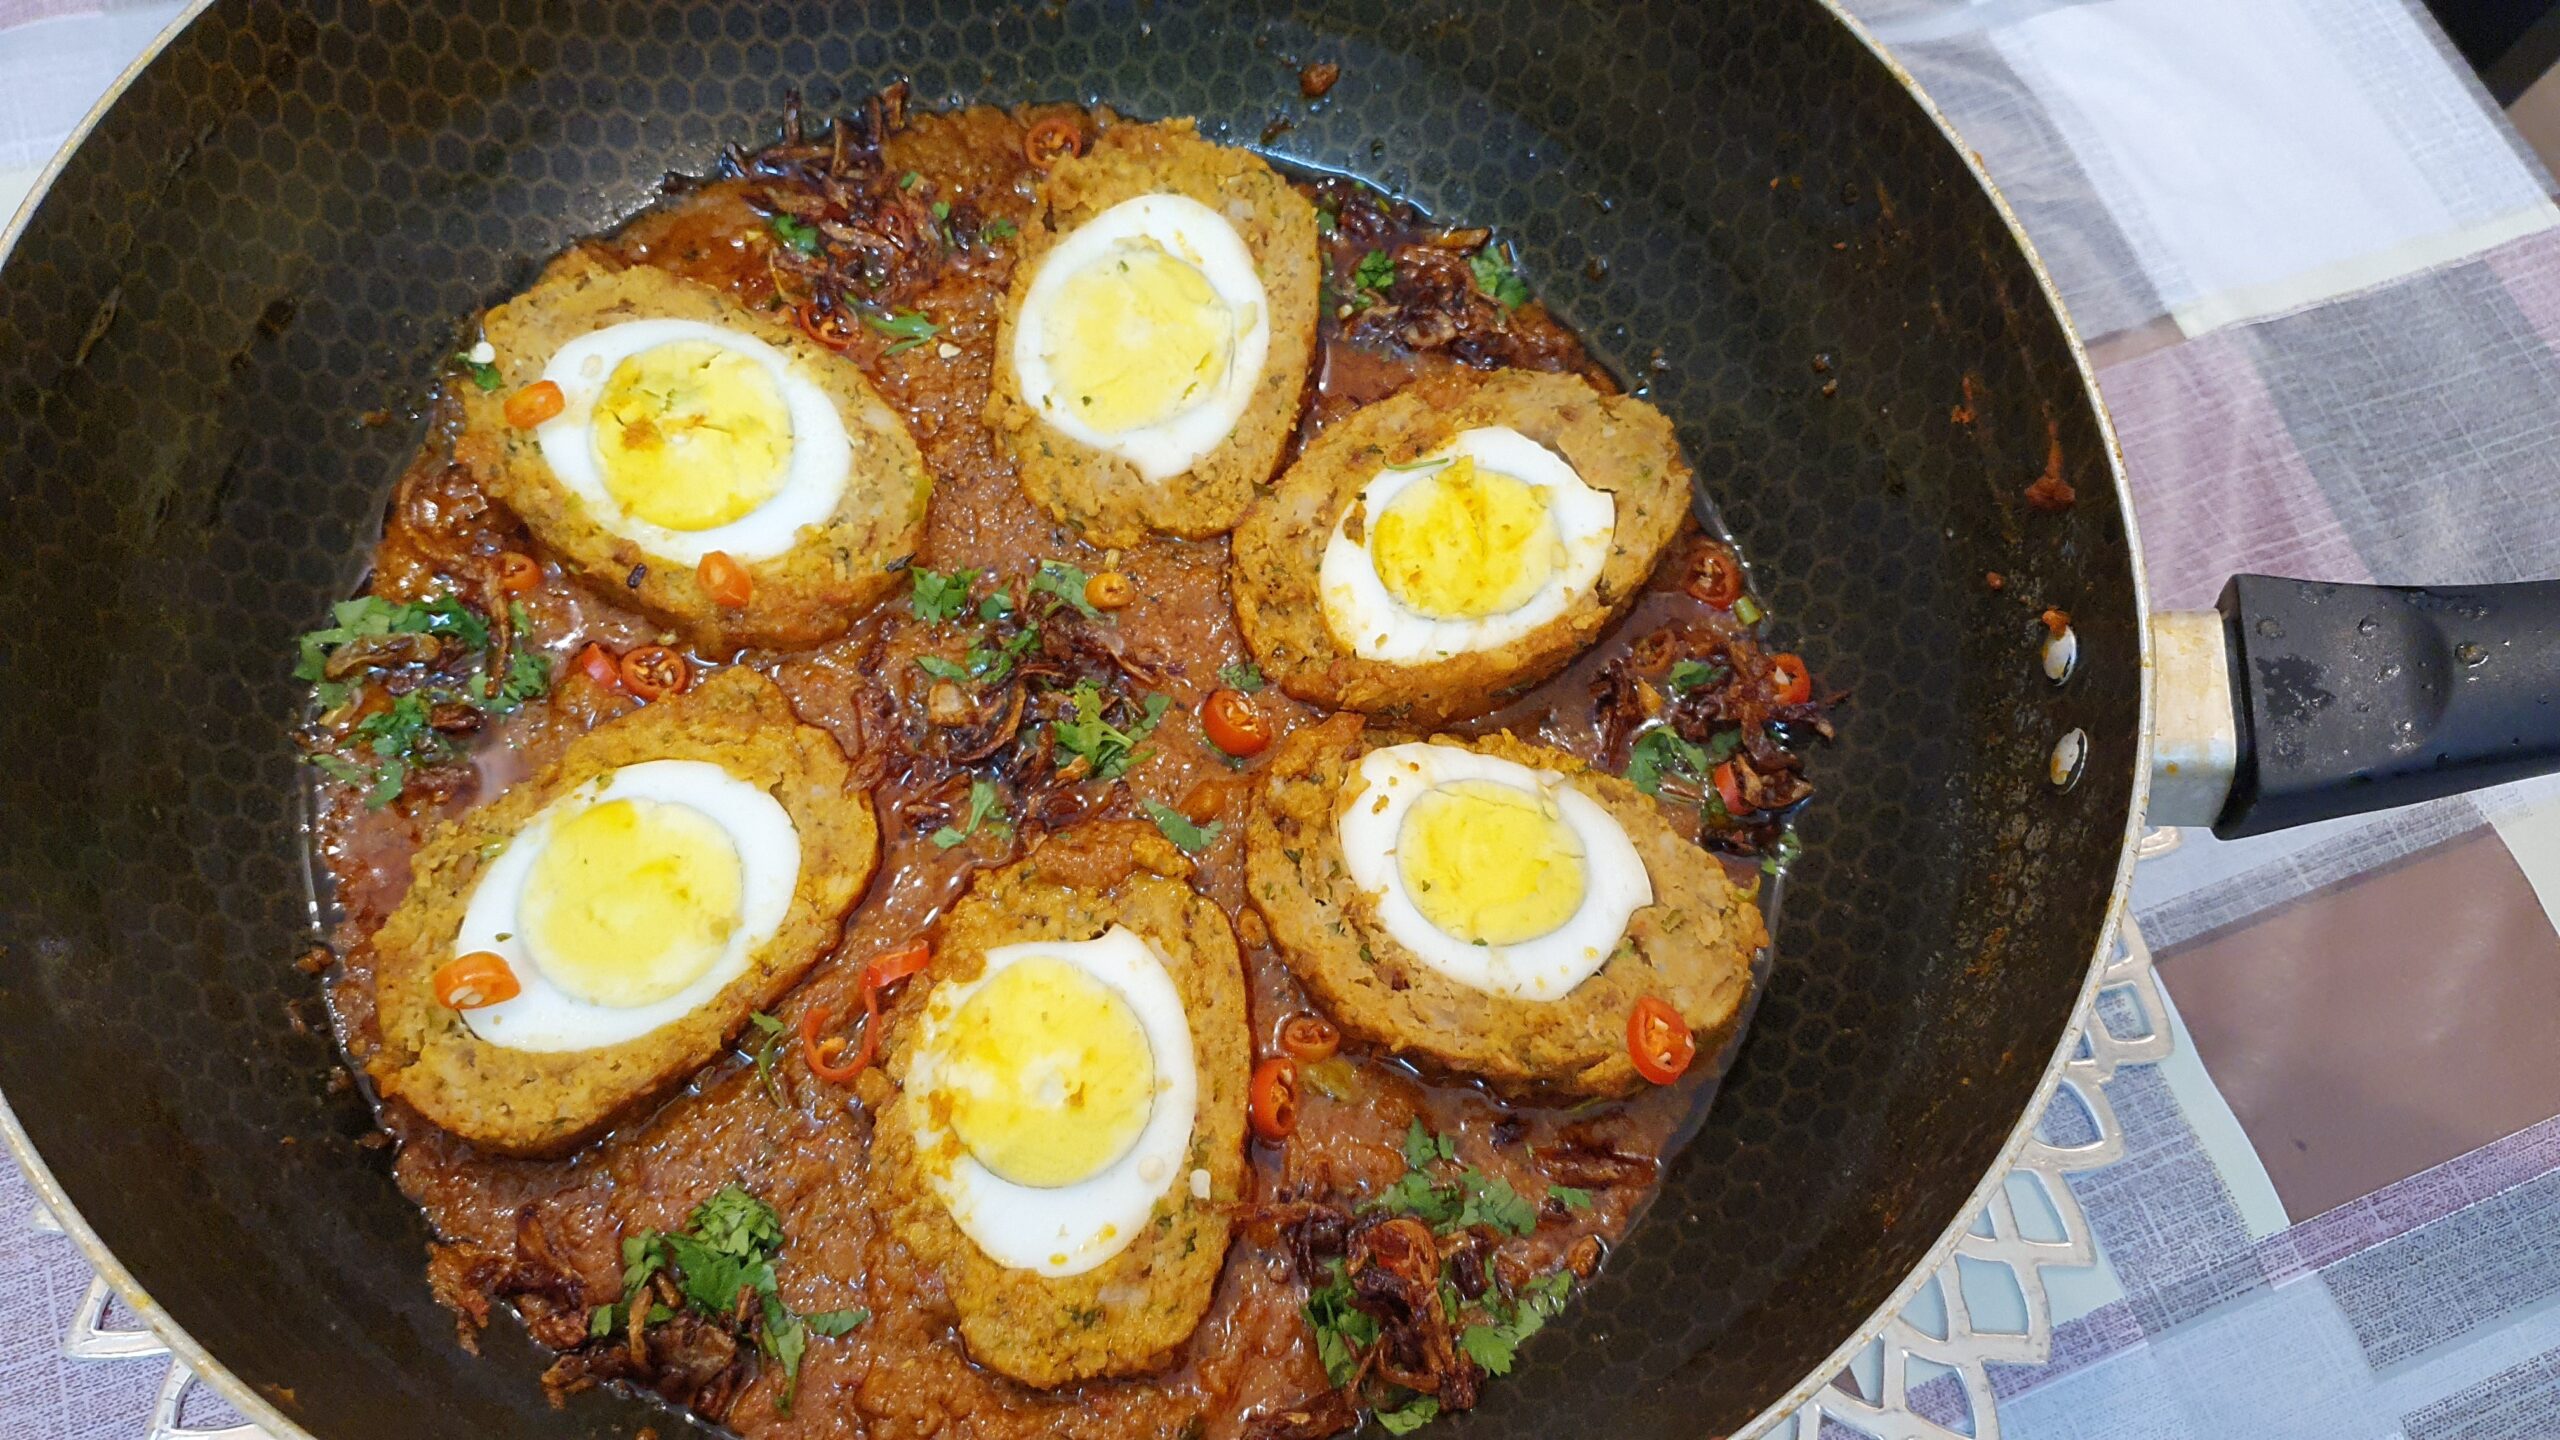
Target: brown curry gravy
[904,1373]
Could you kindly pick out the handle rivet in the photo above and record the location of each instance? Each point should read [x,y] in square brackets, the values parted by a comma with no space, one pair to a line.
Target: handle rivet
[2061,654]
[2070,757]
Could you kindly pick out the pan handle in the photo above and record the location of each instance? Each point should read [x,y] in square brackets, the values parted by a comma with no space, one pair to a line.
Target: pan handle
[2297,700]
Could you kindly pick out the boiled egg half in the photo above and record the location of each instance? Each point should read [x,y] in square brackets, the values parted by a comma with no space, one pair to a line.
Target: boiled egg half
[1143,333]
[1052,1098]
[1470,547]
[630,903]
[1503,878]
[685,437]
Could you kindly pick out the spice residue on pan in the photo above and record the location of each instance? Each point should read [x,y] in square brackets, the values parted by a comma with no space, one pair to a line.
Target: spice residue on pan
[1405,1236]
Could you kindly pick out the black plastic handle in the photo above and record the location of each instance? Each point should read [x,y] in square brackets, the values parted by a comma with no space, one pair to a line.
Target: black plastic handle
[2362,697]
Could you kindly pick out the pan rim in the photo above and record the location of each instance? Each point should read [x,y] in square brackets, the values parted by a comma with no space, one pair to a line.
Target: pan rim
[1942,1251]
[257,1408]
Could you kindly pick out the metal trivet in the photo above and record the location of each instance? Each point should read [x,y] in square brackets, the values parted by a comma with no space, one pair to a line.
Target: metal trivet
[1933,1338]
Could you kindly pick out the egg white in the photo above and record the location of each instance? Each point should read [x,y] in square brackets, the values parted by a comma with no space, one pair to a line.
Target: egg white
[1189,231]
[1068,1229]
[544,1017]
[1615,883]
[814,476]
[1368,619]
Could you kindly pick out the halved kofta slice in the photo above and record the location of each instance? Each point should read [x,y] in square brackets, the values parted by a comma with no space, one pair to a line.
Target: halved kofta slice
[1432,555]
[1495,908]
[1067,1140]
[734,478]
[573,950]
[1155,344]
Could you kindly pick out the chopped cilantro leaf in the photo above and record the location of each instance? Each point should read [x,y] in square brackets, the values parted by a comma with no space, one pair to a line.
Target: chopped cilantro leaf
[1500,283]
[1189,838]
[998,230]
[1489,1346]
[1490,1200]
[795,232]
[1327,223]
[941,209]
[724,1253]
[1688,675]
[1421,1147]
[938,595]
[1066,582]
[908,180]
[603,1321]
[1406,1419]
[1375,272]
[984,801]
[1661,751]
[941,669]
[1109,749]
[832,1323]
[996,606]
[911,329]
[1243,675]
[994,664]
[484,375]
[1341,1329]
[1569,1197]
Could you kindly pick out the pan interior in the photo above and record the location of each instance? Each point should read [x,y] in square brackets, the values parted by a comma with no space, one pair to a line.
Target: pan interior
[215,326]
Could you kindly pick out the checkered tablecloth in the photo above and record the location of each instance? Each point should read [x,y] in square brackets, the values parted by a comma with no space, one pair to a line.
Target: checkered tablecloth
[2320,279]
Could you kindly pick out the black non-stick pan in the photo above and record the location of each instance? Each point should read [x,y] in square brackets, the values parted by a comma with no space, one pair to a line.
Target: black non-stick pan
[217,319]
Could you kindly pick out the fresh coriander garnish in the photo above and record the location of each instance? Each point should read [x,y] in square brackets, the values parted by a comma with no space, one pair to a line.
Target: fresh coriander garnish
[1327,224]
[483,374]
[1243,675]
[1569,1197]
[376,634]
[908,180]
[994,663]
[1661,751]
[912,328]
[1688,675]
[1066,582]
[998,230]
[937,595]
[1109,749]
[941,209]
[1375,273]
[985,800]
[1409,1417]
[1187,837]
[722,1265]
[1500,283]
[1472,1198]
[941,669]
[795,232]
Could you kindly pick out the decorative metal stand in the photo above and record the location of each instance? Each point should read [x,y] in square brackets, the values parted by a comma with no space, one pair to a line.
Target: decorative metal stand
[1934,1342]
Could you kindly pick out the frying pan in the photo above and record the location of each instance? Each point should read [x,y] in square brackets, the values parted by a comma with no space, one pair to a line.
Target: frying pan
[216,323]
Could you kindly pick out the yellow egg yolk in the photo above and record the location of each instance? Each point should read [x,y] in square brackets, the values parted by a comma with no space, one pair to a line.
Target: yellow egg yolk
[1490,864]
[1047,1074]
[631,901]
[1462,542]
[1136,337]
[691,435]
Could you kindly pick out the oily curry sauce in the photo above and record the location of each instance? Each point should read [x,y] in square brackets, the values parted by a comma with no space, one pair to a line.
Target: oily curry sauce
[801,1144]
